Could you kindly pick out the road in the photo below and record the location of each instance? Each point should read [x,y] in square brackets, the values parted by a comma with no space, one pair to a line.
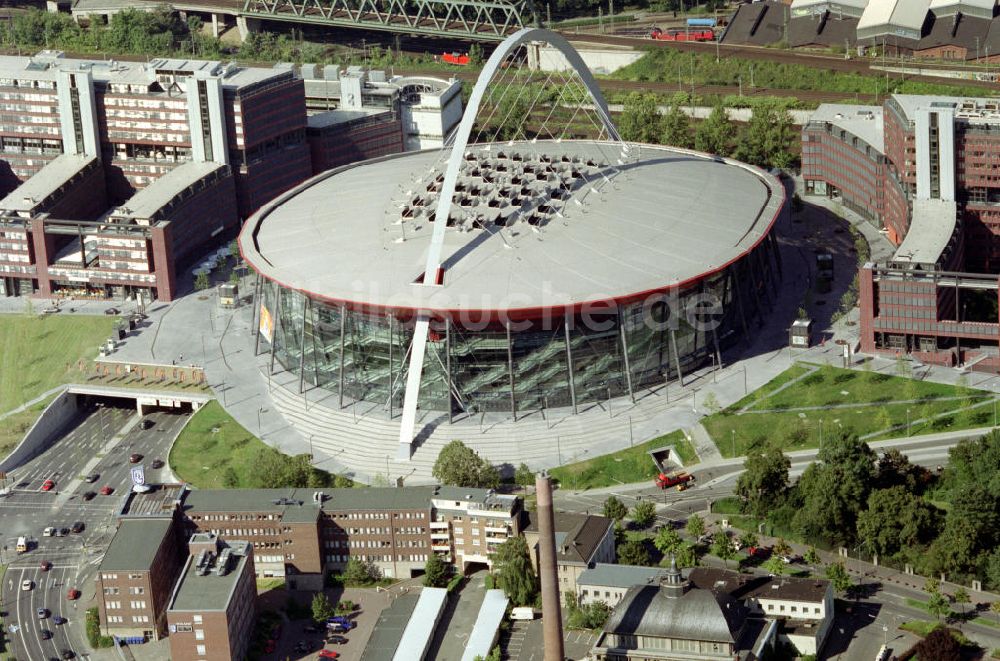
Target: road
[100,443]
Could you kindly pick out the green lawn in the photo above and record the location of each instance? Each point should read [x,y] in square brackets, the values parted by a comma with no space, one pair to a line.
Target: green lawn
[877,402]
[631,465]
[14,427]
[40,352]
[211,442]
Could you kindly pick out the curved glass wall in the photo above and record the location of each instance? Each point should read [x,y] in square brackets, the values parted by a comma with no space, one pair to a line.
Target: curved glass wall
[545,364]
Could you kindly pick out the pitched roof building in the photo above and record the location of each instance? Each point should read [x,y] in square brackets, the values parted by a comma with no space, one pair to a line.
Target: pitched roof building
[582,541]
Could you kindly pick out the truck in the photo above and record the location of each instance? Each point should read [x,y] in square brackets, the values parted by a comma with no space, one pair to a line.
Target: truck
[680,480]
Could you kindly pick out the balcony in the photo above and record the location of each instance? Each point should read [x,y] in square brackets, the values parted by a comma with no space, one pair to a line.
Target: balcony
[442,534]
[439,525]
[441,547]
[499,530]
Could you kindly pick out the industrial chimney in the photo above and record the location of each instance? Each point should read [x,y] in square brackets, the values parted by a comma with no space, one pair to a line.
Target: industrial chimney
[551,609]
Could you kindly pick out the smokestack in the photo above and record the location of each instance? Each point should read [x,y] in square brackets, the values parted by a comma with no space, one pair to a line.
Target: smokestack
[551,609]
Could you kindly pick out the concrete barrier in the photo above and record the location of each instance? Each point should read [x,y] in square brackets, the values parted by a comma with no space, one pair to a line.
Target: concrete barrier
[53,421]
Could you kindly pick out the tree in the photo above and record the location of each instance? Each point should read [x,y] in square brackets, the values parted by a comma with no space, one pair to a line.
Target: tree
[686,556]
[939,645]
[524,476]
[834,490]
[514,573]
[461,466]
[962,598]
[722,547]
[768,138]
[894,469]
[763,485]
[716,133]
[748,539]
[897,519]
[695,526]
[711,403]
[774,565]
[995,607]
[667,540]
[494,655]
[640,120]
[811,557]
[360,572]
[436,572]
[676,128]
[644,513]
[633,552]
[839,578]
[234,248]
[782,548]
[615,509]
[322,608]
[201,282]
[938,605]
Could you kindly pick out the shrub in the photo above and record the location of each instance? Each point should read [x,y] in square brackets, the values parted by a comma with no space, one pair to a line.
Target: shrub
[93,626]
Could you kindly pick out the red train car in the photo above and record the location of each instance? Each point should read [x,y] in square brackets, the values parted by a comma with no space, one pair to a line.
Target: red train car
[680,34]
[456,58]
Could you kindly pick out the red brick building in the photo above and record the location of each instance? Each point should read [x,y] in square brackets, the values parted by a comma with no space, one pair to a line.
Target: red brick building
[937,200]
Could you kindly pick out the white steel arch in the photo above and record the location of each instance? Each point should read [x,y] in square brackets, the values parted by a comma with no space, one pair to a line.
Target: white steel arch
[433,274]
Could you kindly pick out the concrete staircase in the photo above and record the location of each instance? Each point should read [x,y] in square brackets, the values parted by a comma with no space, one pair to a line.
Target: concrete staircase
[367,444]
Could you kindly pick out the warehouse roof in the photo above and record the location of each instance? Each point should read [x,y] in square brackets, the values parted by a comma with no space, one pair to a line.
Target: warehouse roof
[621,226]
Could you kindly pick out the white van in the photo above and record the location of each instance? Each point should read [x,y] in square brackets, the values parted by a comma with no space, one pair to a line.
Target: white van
[522,613]
[22,545]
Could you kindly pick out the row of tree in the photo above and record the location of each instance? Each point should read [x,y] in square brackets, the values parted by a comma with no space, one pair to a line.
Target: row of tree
[767,140]
[271,469]
[885,505]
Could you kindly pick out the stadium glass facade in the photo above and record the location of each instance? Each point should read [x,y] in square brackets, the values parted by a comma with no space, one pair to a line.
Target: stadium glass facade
[554,360]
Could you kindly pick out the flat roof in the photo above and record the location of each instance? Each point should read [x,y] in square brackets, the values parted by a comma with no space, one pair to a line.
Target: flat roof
[417,634]
[298,505]
[135,544]
[932,227]
[484,632]
[619,576]
[150,200]
[211,592]
[333,117]
[162,501]
[27,197]
[388,631]
[866,122]
[657,221]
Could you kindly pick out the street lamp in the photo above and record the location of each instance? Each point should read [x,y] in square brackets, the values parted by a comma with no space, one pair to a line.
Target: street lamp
[821,433]
[733,431]
[259,411]
[907,422]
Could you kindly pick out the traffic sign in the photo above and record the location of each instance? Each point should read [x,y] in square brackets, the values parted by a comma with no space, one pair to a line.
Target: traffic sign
[138,475]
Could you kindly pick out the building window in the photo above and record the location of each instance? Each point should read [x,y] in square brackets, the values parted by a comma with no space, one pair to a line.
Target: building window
[199,634]
[197,619]
[200,649]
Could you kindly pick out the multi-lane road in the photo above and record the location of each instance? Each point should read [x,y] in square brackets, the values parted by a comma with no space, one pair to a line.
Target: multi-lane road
[99,444]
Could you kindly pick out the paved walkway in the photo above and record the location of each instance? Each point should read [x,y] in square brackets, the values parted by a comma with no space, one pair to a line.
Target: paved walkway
[703,444]
[48,393]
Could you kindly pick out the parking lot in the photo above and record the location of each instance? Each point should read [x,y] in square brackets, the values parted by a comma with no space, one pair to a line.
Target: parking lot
[99,444]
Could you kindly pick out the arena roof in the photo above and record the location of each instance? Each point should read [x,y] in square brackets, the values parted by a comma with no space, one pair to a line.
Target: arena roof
[359,234]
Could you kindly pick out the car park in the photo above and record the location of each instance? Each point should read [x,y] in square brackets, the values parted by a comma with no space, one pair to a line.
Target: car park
[48,532]
[134,458]
[27,584]
[48,485]
[107,490]
[78,527]
[89,495]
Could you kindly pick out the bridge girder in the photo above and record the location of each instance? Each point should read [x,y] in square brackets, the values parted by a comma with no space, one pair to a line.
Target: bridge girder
[480,20]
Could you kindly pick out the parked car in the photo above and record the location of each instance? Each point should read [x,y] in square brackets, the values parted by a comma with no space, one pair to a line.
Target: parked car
[93,477]
[134,458]
[62,532]
[48,532]
[328,654]
[27,584]
[78,527]
[48,485]
[107,490]
[73,594]
[336,639]
[157,463]
[112,311]
[89,495]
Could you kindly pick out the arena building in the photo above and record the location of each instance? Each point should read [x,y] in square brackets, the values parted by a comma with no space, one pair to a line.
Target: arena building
[571,271]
